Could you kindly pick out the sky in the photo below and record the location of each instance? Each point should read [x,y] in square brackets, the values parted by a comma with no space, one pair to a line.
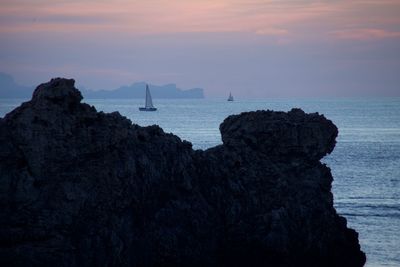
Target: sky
[252,48]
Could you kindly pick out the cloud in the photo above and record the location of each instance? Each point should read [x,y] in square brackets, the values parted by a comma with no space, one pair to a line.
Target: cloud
[272,31]
[365,34]
[300,20]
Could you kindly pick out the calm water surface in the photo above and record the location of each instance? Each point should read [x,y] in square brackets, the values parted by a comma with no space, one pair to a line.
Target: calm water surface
[365,163]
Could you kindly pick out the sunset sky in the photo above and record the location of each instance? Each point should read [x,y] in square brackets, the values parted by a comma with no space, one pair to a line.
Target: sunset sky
[253,48]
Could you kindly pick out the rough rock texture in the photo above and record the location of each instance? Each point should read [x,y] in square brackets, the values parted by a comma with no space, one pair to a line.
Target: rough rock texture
[85,188]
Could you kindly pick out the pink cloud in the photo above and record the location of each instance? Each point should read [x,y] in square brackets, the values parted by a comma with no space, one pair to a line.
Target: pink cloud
[359,19]
[365,34]
[272,31]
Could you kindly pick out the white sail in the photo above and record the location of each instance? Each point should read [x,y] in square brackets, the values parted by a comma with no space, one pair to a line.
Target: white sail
[230,98]
[149,101]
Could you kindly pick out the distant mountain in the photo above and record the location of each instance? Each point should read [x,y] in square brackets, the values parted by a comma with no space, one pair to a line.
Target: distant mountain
[10,89]
[137,90]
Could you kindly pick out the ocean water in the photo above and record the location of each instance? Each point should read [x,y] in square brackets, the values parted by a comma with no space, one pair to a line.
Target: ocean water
[365,162]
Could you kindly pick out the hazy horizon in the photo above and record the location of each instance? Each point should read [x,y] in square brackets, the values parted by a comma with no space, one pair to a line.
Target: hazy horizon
[251,48]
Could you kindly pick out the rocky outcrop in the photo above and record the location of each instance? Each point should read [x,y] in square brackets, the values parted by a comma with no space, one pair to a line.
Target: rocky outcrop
[84,188]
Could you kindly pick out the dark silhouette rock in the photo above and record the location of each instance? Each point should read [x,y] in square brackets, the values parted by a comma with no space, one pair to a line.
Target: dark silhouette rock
[84,188]
[288,135]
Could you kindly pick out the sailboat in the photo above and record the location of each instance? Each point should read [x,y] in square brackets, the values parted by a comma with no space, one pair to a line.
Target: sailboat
[230,98]
[149,102]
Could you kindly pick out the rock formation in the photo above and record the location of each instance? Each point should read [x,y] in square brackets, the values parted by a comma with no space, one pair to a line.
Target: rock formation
[84,188]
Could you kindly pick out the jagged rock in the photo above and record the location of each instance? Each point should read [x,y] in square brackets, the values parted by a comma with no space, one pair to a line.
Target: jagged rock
[84,188]
[292,134]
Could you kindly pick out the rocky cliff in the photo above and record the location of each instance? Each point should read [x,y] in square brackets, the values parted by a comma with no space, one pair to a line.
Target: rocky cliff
[84,188]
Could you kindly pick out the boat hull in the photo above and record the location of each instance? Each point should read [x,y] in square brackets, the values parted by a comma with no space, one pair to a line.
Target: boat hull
[147,109]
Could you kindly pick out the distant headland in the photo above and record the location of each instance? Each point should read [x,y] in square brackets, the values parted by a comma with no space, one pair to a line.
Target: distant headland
[10,89]
[137,90]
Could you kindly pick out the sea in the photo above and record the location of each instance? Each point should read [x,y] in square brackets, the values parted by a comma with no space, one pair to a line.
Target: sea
[365,162]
